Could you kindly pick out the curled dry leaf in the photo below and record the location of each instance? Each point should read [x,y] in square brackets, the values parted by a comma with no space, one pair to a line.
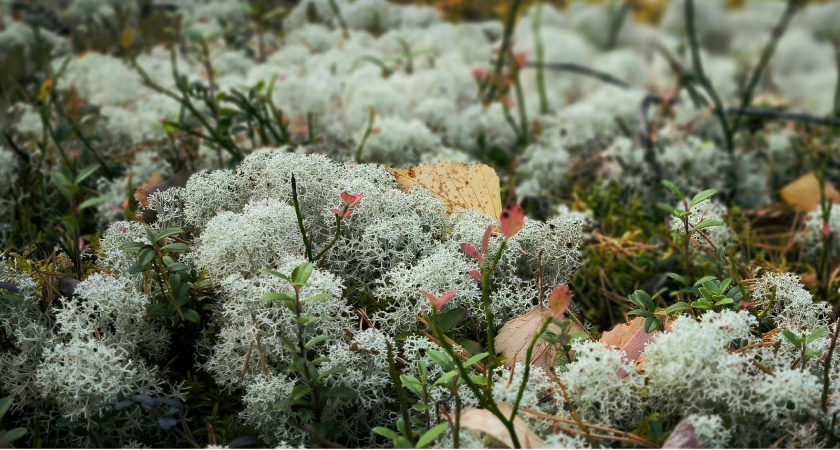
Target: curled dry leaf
[683,436]
[630,337]
[457,185]
[803,195]
[515,336]
[155,184]
[484,421]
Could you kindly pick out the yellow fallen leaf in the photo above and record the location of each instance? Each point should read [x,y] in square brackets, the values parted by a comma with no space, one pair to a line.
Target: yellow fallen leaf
[803,195]
[515,337]
[484,421]
[457,185]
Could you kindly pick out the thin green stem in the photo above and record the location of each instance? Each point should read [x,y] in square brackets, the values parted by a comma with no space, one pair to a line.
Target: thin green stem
[486,401]
[307,243]
[520,103]
[395,377]
[540,55]
[766,54]
[368,131]
[528,354]
[337,234]
[720,111]
[488,313]
[490,82]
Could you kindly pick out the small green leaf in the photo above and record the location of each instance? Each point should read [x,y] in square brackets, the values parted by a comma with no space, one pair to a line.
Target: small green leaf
[5,404]
[402,442]
[278,275]
[411,383]
[274,296]
[681,279]
[441,359]
[475,359]
[320,296]
[131,247]
[816,334]
[420,407]
[702,196]
[639,312]
[450,318]
[299,392]
[301,273]
[445,377]
[707,224]
[288,403]
[651,324]
[341,392]
[13,434]
[146,256]
[677,307]
[792,338]
[469,345]
[191,315]
[681,214]
[388,434]
[673,187]
[94,201]
[704,280]
[724,301]
[166,233]
[330,372]
[86,172]
[176,247]
[315,341]
[431,435]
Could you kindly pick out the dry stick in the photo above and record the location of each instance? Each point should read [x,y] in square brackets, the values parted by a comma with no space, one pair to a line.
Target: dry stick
[824,396]
[763,113]
[259,347]
[622,435]
[324,441]
[575,415]
[766,54]
[247,360]
[650,152]
[762,367]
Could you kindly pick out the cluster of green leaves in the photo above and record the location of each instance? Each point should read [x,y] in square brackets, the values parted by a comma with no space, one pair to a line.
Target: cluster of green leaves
[419,432]
[9,436]
[218,118]
[314,391]
[177,284]
[801,343]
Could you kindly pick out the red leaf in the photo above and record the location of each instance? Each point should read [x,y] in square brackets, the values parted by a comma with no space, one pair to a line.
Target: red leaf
[470,251]
[485,241]
[558,301]
[439,303]
[511,220]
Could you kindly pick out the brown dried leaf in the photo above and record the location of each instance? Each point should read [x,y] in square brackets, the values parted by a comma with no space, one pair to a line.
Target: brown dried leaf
[803,195]
[515,336]
[457,185]
[484,421]
[630,337]
[683,436]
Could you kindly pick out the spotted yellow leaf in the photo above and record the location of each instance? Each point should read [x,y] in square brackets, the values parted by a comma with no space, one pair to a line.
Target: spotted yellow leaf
[457,185]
